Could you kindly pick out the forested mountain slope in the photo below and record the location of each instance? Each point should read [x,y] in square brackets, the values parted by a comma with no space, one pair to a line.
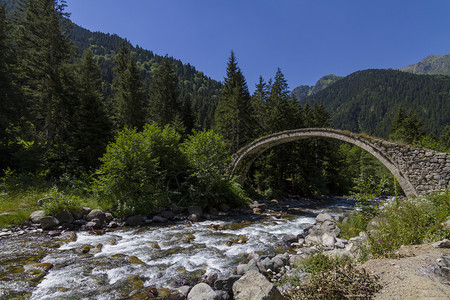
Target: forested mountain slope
[200,89]
[366,101]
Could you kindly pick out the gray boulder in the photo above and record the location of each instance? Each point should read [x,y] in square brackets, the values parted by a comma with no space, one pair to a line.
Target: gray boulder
[65,216]
[96,214]
[168,214]
[254,286]
[328,240]
[202,291]
[244,268]
[442,244]
[135,220]
[108,217]
[324,217]
[36,216]
[159,219]
[48,222]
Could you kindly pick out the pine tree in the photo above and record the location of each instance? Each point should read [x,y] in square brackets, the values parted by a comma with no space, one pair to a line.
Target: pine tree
[259,105]
[129,97]
[406,127]
[283,111]
[94,128]
[165,106]
[234,117]
[44,54]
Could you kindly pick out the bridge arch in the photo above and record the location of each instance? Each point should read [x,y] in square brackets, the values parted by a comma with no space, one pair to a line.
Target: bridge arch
[243,159]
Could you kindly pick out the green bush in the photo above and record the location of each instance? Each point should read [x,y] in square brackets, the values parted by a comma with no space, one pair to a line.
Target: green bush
[132,178]
[207,155]
[144,170]
[411,221]
[60,202]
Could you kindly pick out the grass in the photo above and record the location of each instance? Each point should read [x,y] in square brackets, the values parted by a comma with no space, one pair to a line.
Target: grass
[19,196]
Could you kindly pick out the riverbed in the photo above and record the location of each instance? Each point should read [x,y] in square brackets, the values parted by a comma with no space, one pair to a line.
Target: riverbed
[110,265]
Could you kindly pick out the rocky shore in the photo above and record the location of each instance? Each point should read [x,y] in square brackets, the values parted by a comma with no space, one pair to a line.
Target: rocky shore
[260,276]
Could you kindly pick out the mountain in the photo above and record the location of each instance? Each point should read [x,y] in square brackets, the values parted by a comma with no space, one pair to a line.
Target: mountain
[304,91]
[202,91]
[366,101]
[431,65]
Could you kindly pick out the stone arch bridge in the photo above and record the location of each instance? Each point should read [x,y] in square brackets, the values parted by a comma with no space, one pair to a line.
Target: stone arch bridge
[417,170]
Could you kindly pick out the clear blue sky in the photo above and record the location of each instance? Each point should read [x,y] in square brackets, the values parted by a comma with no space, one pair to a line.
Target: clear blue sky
[305,38]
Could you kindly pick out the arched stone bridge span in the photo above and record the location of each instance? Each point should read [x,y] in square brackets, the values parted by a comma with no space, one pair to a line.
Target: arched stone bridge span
[417,170]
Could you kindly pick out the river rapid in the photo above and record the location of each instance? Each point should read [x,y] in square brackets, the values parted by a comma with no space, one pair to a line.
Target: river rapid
[85,265]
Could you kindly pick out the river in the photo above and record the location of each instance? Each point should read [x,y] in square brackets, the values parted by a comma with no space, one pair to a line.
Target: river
[83,265]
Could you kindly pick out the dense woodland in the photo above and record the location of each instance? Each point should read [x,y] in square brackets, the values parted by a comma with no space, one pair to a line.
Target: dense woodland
[67,93]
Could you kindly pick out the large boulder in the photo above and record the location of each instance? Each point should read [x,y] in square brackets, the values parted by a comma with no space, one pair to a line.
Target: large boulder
[226,283]
[254,286]
[202,291]
[65,216]
[135,220]
[96,214]
[48,222]
[36,216]
[324,217]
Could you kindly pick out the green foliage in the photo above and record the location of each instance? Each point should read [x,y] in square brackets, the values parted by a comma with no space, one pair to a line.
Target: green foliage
[352,225]
[320,262]
[366,193]
[207,156]
[145,170]
[130,178]
[234,113]
[406,127]
[60,202]
[129,97]
[411,221]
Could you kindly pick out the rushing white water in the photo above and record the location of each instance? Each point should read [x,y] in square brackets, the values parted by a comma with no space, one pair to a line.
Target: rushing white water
[167,256]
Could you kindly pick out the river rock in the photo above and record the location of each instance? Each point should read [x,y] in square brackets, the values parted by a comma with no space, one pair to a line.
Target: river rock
[442,244]
[184,290]
[254,286]
[244,268]
[94,224]
[85,210]
[176,209]
[159,219]
[324,217]
[108,217]
[64,216]
[78,215]
[202,291]
[224,207]
[260,206]
[48,222]
[194,218]
[328,240]
[135,220]
[266,264]
[36,216]
[288,239]
[96,214]
[226,283]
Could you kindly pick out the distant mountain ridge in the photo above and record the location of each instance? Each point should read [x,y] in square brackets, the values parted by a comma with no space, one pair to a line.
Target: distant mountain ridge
[366,101]
[304,91]
[431,65]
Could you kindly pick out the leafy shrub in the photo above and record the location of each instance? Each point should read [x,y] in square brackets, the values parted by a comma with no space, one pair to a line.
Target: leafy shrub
[320,262]
[352,225]
[130,178]
[60,202]
[411,221]
[207,155]
[144,170]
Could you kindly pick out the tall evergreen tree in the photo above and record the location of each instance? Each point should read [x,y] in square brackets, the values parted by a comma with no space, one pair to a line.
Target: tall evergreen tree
[94,128]
[283,112]
[259,104]
[406,127]
[129,97]
[234,114]
[165,105]
[44,53]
